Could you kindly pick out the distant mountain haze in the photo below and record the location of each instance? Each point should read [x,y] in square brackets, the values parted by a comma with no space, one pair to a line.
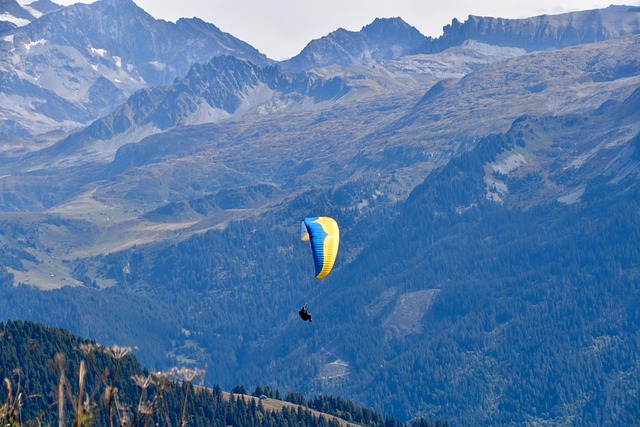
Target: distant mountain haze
[127,49]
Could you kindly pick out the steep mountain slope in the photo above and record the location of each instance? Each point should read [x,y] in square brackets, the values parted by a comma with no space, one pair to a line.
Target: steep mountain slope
[37,360]
[494,272]
[12,15]
[94,57]
[209,93]
[534,317]
[540,32]
[534,84]
[383,39]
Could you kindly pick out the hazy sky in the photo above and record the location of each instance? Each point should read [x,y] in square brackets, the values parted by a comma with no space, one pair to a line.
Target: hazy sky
[282,28]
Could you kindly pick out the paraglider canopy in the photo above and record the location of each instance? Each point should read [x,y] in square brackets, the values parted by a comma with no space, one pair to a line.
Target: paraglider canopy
[324,235]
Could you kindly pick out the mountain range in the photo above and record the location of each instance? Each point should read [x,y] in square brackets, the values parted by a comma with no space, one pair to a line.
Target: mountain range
[69,79]
[485,183]
[77,63]
[540,32]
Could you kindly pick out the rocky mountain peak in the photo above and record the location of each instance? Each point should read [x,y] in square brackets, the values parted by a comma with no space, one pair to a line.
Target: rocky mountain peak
[209,93]
[122,8]
[383,39]
[540,32]
[394,28]
[106,24]
[44,6]
[94,56]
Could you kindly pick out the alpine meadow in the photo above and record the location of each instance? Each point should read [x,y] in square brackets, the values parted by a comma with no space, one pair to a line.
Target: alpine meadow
[486,185]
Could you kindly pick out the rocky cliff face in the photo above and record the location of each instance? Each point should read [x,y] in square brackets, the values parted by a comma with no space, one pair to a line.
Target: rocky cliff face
[227,85]
[95,56]
[540,32]
[383,39]
[157,51]
[209,93]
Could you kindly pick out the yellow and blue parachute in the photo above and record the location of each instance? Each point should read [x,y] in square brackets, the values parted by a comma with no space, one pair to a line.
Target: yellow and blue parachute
[324,235]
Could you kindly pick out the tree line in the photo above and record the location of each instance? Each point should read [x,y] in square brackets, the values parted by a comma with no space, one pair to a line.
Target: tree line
[51,376]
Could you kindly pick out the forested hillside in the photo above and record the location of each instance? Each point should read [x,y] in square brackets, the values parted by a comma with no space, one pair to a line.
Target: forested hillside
[537,310]
[43,366]
[512,314]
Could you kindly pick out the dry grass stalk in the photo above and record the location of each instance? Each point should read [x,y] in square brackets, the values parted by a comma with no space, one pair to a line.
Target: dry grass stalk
[59,362]
[85,406]
[118,353]
[80,414]
[10,411]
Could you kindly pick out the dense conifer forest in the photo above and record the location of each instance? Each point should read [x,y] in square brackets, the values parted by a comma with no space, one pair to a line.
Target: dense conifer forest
[43,366]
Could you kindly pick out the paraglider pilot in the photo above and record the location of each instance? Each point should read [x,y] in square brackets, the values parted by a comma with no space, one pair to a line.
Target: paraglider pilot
[304,314]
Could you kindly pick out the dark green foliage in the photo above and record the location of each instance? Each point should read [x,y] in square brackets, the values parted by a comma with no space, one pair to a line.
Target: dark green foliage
[6,278]
[239,389]
[123,316]
[27,353]
[535,307]
[297,398]
[27,358]
[12,257]
[349,411]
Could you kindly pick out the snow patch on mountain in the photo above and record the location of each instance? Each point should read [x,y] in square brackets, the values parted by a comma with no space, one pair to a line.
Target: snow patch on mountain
[81,63]
[100,52]
[33,11]
[18,22]
[28,46]
[157,65]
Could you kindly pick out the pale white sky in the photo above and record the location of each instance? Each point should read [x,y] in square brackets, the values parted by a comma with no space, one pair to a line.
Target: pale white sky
[282,28]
